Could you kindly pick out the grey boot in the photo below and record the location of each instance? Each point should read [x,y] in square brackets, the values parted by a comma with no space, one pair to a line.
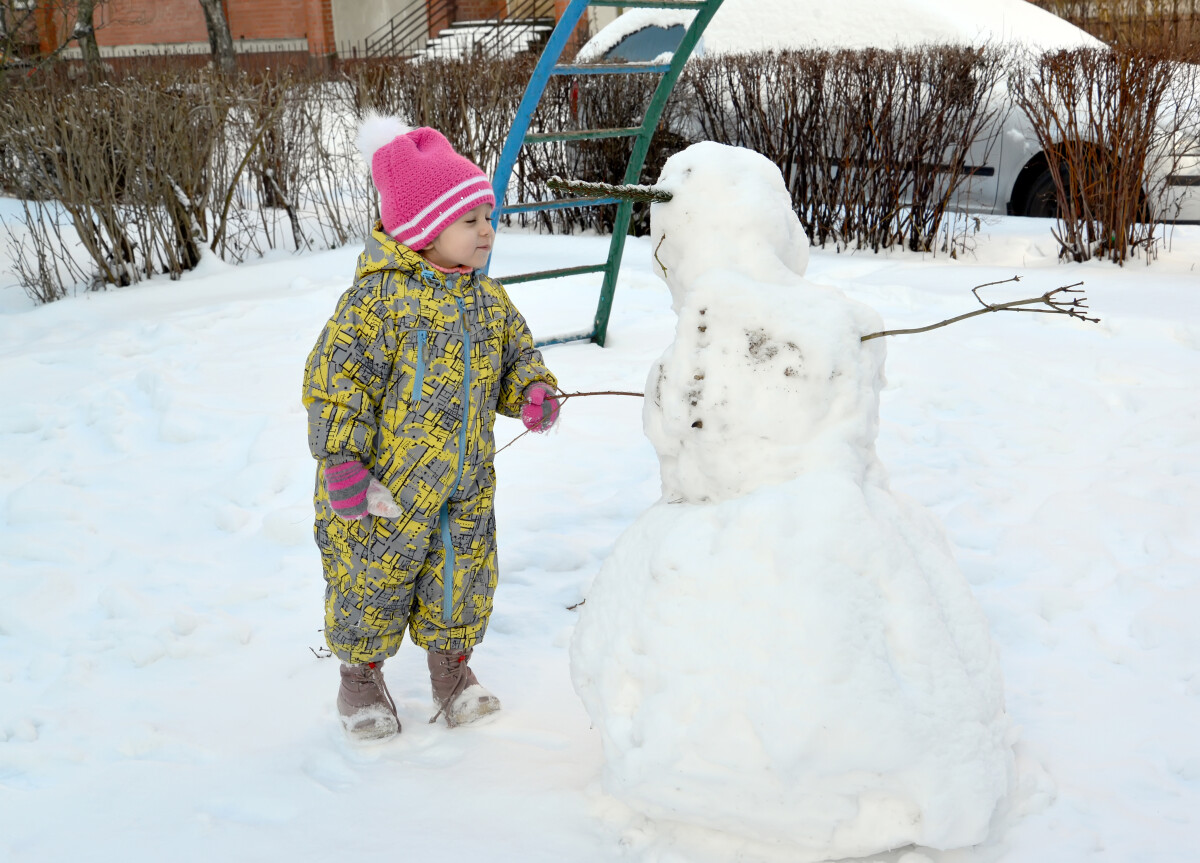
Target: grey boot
[364,704]
[457,694]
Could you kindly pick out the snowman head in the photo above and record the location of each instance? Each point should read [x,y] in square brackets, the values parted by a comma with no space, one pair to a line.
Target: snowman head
[730,210]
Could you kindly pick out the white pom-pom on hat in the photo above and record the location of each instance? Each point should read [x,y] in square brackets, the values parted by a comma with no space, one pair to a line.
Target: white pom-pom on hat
[378,131]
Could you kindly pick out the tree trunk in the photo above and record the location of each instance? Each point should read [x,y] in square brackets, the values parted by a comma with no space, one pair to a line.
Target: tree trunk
[85,35]
[219,37]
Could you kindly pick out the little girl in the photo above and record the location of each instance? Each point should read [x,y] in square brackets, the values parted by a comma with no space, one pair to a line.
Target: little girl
[402,390]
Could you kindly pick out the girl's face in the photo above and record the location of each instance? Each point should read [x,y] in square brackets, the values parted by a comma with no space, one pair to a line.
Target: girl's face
[467,241]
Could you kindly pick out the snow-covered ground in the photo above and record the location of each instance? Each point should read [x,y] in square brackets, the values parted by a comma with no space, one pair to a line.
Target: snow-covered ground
[160,594]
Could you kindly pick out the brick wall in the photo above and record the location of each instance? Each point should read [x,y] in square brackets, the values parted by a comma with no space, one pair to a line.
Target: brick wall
[267,19]
[139,22]
[580,35]
[477,10]
[318,16]
[166,22]
[442,15]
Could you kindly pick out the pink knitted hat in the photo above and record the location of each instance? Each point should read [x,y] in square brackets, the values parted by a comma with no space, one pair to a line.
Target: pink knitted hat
[423,184]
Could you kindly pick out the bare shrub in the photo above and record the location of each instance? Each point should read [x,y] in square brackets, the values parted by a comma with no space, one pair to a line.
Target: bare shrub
[873,144]
[324,176]
[473,101]
[1114,125]
[470,100]
[150,169]
[125,162]
[1167,27]
[287,174]
[140,174]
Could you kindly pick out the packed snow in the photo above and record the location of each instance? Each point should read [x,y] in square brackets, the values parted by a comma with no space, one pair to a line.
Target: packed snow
[161,692]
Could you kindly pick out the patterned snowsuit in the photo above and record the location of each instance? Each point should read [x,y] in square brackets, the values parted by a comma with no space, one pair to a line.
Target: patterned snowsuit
[386,383]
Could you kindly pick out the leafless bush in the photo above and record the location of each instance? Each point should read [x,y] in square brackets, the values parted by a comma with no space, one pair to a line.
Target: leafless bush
[126,164]
[472,101]
[873,144]
[149,170]
[1168,27]
[287,167]
[1114,125]
[325,177]
[140,174]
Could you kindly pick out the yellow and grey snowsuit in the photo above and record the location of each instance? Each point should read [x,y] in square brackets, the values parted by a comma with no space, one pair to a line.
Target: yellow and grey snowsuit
[407,377]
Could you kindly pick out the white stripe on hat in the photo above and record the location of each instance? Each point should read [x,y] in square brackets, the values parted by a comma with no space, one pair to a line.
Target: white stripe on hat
[419,217]
[466,204]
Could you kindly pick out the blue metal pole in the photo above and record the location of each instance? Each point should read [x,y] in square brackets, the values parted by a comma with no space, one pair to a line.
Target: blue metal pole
[529,102]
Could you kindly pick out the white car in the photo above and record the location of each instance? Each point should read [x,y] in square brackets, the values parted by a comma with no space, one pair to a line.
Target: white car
[1009,170]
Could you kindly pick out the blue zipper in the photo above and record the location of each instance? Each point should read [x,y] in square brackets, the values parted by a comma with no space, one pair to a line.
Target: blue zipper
[444,515]
[419,378]
[447,564]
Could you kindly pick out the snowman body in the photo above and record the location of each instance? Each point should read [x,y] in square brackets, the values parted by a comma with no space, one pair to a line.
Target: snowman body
[781,648]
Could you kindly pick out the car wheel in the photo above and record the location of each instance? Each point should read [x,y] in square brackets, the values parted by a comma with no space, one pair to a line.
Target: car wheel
[1041,202]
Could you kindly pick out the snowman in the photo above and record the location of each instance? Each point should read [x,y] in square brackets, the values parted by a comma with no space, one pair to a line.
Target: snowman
[782,649]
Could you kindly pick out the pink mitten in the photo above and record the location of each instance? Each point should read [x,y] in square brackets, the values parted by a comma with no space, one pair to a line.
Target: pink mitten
[347,485]
[540,410]
[355,494]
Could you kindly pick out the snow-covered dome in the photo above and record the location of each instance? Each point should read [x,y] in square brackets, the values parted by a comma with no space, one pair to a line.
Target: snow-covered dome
[755,25]
[741,26]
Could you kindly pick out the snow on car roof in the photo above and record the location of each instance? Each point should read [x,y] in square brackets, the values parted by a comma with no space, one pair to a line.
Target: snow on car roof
[756,25]
[630,22]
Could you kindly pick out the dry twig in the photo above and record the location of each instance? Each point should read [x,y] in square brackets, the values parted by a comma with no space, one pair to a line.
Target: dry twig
[661,265]
[1055,305]
[562,397]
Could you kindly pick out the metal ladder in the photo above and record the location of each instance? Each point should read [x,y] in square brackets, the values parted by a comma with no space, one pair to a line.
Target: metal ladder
[548,65]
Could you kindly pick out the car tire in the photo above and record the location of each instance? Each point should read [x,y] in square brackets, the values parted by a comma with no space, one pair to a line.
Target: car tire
[1041,201]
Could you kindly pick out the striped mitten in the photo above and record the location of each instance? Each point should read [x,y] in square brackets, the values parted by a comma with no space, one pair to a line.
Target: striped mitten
[347,484]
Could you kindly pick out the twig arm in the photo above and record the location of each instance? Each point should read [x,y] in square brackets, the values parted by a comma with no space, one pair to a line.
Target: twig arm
[975,290]
[1054,303]
[562,397]
[628,192]
[565,396]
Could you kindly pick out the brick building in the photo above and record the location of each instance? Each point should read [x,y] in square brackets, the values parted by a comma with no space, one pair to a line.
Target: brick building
[316,29]
[132,27]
